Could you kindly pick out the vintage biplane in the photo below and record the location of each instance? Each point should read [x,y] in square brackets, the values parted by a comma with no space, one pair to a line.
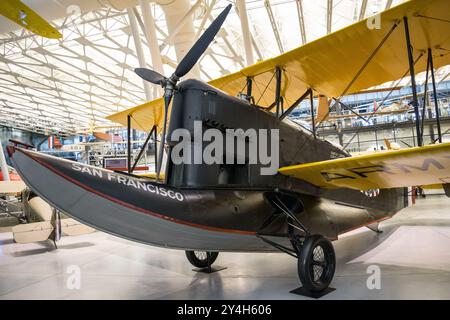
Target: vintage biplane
[319,191]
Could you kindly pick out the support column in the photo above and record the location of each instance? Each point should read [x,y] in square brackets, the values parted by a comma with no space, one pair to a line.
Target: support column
[3,165]
[152,40]
[205,19]
[180,28]
[413,81]
[240,4]
[436,105]
[139,51]
[187,18]
[301,20]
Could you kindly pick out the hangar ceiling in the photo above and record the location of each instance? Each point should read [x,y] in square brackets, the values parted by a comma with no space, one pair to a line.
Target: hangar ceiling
[63,86]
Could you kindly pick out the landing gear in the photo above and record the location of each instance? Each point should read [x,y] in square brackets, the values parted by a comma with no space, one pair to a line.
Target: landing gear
[201,259]
[316,260]
[316,263]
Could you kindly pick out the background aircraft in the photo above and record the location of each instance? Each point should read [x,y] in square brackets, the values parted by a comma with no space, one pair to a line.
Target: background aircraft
[24,16]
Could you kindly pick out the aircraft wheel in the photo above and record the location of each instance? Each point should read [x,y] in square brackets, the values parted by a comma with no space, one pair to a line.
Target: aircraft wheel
[200,259]
[316,263]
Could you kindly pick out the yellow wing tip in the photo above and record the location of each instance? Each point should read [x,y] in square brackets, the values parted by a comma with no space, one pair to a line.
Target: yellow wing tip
[27,18]
[54,35]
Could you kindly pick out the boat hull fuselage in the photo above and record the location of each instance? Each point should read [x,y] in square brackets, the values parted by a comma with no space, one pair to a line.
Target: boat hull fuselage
[145,211]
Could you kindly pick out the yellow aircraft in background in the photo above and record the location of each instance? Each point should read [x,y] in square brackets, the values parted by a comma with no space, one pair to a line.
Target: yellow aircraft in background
[24,16]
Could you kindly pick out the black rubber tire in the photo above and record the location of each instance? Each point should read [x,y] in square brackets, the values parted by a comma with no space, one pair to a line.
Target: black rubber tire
[201,263]
[327,265]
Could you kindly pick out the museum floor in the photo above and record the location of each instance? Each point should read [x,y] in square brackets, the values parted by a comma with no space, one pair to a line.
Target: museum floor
[412,254]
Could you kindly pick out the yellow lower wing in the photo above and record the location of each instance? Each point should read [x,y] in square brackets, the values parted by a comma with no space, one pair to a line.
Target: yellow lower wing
[24,16]
[391,169]
[151,175]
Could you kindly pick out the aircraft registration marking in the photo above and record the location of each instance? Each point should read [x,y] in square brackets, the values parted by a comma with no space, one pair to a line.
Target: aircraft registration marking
[390,169]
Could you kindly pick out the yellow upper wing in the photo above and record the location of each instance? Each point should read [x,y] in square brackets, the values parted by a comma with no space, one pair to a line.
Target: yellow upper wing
[143,117]
[391,169]
[329,64]
[24,16]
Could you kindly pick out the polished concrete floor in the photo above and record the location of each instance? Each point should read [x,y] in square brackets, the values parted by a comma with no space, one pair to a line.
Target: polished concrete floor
[412,255]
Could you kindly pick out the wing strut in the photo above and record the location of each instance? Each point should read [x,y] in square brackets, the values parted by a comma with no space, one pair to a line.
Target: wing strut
[313,121]
[295,104]
[363,67]
[129,143]
[383,101]
[152,132]
[436,106]
[413,80]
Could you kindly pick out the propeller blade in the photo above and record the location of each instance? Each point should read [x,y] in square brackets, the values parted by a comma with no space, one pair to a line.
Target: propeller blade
[191,58]
[150,75]
[163,136]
